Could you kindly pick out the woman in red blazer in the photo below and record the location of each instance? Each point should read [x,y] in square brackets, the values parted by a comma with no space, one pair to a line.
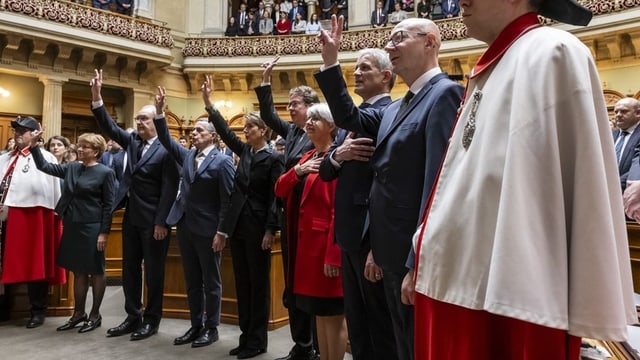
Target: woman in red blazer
[318,281]
[283,26]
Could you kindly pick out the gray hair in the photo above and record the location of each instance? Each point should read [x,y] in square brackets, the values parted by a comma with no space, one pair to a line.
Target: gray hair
[381,60]
[322,111]
[210,128]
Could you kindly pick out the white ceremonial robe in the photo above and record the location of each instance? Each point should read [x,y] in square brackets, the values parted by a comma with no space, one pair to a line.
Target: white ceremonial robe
[32,187]
[528,222]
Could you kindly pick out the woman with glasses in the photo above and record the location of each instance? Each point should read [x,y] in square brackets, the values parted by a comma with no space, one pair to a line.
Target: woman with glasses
[317,283]
[85,209]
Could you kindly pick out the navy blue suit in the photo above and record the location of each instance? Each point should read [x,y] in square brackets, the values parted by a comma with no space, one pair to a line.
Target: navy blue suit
[294,11]
[148,187]
[409,149]
[198,211]
[452,8]
[252,213]
[368,318]
[116,162]
[627,155]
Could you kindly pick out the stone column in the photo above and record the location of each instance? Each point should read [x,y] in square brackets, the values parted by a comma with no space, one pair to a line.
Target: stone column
[52,105]
[311,8]
[360,14]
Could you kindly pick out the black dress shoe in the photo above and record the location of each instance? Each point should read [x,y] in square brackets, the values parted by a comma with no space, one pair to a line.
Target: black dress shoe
[236,350]
[207,337]
[35,321]
[189,336]
[301,353]
[126,327]
[144,331]
[249,353]
[91,325]
[71,323]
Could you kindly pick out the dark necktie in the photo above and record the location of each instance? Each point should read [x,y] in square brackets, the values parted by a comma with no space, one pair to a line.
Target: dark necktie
[405,101]
[620,144]
[364,105]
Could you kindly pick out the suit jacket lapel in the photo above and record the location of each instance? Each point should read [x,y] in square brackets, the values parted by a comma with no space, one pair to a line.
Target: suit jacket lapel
[206,161]
[260,157]
[396,119]
[147,155]
[630,149]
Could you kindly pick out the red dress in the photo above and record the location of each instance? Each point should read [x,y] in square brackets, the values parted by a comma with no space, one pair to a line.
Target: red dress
[315,239]
[283,27]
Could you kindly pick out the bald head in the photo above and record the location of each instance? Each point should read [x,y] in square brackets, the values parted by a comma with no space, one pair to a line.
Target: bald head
[627,113]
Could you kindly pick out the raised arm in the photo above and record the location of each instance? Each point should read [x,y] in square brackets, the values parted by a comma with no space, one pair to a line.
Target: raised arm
[177,151]
[104,120]
[228,136]
[42,164]
[265,98]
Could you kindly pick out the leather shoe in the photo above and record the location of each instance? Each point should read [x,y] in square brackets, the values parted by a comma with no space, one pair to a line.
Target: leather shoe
[300,353]
[207,337]
[127,326]
[189,336]
[35,321]
[71,323]
[236,350]
[91,325]
[144,331]
[249,353]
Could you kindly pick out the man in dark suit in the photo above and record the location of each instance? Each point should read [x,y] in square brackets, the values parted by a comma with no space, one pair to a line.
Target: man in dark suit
[251,26]
[295,9]
[198,211]
[366,310]
[379,16]
[241,19]
[411,137]
[124,7]
[114,158]
[626,137]
[450,8]
[147,189]
[297,143]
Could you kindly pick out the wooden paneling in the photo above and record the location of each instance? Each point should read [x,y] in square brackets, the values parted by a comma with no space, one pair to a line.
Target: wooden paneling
[113,252]
[633,230]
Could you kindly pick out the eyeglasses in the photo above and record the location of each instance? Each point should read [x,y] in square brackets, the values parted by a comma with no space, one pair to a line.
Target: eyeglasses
[400,35]
[294,104]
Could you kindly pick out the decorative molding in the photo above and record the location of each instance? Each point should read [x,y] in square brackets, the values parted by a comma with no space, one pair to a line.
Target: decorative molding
[88,18]
[450,29]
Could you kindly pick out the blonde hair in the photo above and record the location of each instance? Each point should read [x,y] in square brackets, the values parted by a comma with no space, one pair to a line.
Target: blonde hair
[97,142]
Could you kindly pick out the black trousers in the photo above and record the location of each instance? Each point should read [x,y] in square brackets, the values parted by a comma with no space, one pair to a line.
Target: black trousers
[366,310]
[301,324]
[401,314]
[251,267]
[201,267]
[138,245]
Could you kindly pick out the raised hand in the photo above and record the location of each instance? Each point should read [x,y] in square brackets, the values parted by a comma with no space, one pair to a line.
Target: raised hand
[268,68]
[207,89]
[96,85]
[331,40]
[161,99]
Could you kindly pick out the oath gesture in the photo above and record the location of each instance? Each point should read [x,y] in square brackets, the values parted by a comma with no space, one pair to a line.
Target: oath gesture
[161,100]
[207,89]
[331,40]
[268,67]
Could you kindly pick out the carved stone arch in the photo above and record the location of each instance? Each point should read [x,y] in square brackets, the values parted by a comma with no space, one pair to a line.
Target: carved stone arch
[236,120]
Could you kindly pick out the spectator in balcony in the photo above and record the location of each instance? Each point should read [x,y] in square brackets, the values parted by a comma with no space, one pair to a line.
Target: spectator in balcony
[260,10]
[295,10]
[251,26]
[242,18]
[326,7]
[424,9]
[232,27]
[124,7]
[379,16]
[407,5]
[265,27]
[450,8]
[343,10]
[275,15]
[101,4]
[283,27]
[397,15]
[299,25]
[313,26]
[436,10]
[286,6]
